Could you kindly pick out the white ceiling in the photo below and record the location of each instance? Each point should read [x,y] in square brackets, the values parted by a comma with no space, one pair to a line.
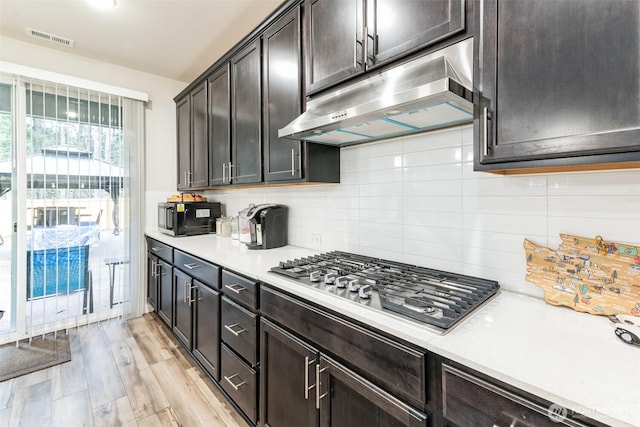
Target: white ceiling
[177,39]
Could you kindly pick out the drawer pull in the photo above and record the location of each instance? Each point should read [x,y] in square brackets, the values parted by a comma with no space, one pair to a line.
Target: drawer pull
[192,265]
[233,331]
[236,387]
[235,288]
[156,248]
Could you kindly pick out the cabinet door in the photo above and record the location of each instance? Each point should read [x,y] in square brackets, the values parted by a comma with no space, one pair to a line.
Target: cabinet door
[219,127]
[200,138]
[152,280]
[282,68]
[468,400]
[346,399]
[397,27]
[246,116]
[333,41]
[287,379]
[182,318]
[165,292]
[556,83]
[183,125]
[206,328]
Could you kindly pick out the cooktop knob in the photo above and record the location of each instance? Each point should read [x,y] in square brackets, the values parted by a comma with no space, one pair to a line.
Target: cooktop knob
[354,285]
[314,276]
[329,278]
[341,282]
[365,291]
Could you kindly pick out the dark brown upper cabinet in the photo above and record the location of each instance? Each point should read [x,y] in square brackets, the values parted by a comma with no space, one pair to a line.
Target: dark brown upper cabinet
[557,85]
[345,38]
[282,83]
[220,127]
[192,132]
[246,114]
[287,159]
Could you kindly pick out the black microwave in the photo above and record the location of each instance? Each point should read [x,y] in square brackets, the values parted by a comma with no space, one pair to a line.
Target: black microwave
[188,218]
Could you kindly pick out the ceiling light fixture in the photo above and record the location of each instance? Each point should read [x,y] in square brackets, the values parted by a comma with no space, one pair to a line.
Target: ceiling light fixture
[104,4]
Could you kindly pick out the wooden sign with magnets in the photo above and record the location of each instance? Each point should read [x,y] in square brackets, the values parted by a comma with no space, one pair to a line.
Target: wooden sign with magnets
[591,275]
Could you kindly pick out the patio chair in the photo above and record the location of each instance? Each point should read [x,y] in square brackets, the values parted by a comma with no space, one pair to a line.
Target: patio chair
[58,271]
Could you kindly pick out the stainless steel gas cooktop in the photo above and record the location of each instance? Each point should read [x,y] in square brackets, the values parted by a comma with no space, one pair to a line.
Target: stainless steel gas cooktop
[437,298]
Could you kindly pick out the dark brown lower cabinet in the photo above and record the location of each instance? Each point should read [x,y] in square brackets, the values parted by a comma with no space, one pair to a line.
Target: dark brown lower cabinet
[240,381]
[206,328]
[300,386]
[468,400]
[182,316]
[287,378]
[346,399]
[164,275]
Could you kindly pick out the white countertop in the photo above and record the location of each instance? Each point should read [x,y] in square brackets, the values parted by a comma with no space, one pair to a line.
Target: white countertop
[566,357]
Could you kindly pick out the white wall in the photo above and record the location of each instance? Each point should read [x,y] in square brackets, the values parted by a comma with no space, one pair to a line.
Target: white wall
[418,200]
[160,112]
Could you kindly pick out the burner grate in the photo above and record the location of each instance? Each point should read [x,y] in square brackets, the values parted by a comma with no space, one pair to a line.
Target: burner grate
[430,296]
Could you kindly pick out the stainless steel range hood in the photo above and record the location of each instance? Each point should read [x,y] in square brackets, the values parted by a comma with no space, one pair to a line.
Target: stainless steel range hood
[427,93]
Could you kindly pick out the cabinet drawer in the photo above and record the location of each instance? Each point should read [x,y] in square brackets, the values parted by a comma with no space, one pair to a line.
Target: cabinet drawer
[469,400]
[239,328]
[240,289]
[160,249]
[240,382]
[205,272]
[393,366]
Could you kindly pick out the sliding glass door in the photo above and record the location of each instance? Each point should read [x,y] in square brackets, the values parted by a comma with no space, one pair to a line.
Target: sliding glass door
[7,211]
[64,172]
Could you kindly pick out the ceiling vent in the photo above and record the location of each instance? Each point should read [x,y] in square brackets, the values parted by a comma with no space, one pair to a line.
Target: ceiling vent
[43,35]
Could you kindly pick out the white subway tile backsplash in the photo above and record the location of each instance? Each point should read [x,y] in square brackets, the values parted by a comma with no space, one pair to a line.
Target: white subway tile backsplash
[433,188]
[417,200]
[603,183]
[501,223]
[451,203]
[448,155]
[434,219]
[451,137]
[512,205]
[529,185]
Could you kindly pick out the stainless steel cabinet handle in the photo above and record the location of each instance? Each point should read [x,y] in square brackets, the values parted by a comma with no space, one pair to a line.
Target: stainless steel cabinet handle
[189,175]
[156,248]
[236,387]
[318,383]
[307,387]
[485,131]
[233,331]
[186,290]
[192,265]
[224,169]
[191,298]
[230,167]
[293,162]
[368,58]
[159,269]
[153,268]
[481,37]
[355,50]
[235,288]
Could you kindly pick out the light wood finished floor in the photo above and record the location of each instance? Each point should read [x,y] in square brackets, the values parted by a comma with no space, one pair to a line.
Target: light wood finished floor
[130,373]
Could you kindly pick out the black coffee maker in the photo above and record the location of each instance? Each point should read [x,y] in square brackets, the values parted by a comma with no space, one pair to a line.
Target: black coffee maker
[268,224]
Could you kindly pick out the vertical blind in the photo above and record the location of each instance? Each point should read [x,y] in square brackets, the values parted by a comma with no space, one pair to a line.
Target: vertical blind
[81,158]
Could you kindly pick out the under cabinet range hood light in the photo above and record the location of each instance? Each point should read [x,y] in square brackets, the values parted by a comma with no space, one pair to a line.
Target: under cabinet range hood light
[427,93]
